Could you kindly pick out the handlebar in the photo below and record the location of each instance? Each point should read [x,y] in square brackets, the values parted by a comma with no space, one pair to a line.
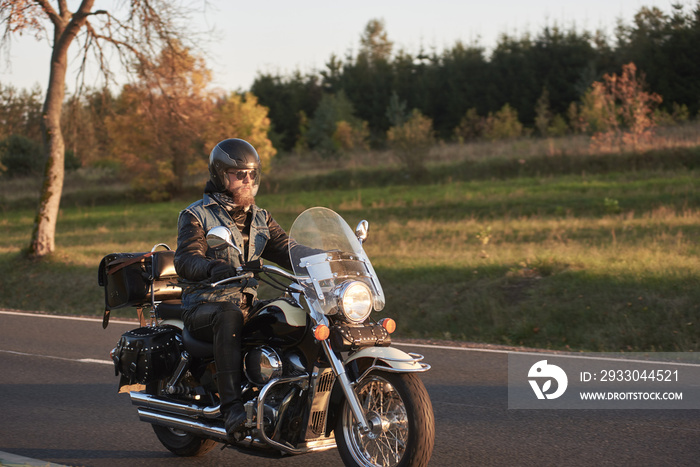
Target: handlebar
[247,275]
[283,273]
[264,268]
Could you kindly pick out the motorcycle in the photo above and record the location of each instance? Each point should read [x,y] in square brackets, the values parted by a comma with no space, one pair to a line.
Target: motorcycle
[319,372]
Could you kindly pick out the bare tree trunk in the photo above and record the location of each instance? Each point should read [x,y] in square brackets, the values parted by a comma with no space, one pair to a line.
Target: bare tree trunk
[66,27]
[47,213]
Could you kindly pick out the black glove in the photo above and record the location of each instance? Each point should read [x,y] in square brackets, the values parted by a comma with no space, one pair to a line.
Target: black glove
[220,270]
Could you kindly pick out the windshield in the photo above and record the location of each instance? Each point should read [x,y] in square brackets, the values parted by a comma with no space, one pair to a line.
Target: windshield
[330,254]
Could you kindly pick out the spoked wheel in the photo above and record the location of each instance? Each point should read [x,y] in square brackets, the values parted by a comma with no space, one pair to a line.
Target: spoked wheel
[400,415]
[180,443]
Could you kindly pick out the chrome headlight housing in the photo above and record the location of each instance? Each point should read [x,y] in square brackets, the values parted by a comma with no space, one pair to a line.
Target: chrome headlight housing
[354,300]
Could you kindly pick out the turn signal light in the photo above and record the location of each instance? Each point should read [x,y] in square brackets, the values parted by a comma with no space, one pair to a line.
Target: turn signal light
[321,332]
[388,324]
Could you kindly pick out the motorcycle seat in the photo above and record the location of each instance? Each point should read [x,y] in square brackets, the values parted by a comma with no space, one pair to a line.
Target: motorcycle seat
[196,348]
[169,309]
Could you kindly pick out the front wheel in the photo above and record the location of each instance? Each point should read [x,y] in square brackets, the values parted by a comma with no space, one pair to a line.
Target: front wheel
[401,419]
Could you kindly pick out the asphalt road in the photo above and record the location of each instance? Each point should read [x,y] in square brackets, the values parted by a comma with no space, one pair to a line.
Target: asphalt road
[58,403]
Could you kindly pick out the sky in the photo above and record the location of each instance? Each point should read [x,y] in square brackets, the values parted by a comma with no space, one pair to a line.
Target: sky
[282,36]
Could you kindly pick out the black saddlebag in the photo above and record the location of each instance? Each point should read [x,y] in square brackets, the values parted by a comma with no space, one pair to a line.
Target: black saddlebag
[147,354]
[138,279]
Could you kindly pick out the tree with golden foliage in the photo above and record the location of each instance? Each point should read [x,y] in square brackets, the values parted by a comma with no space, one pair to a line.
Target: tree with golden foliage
[158,127]
[137,30]
[240,116]
[166,123]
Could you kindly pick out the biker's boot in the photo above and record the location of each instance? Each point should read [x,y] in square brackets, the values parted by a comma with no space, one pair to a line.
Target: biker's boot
[228,321]
[229,383]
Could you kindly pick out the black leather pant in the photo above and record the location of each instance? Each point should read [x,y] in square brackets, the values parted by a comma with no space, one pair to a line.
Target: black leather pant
[222,324]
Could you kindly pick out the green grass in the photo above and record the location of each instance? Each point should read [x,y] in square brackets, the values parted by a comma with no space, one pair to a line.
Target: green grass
[583,261]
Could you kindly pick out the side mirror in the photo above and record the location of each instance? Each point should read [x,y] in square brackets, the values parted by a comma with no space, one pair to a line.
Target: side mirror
[362,231]
[219,238]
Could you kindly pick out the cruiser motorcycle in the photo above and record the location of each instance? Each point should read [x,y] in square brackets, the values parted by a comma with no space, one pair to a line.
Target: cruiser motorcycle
[319,371]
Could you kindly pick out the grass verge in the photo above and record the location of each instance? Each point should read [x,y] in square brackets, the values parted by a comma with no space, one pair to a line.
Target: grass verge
[602,262]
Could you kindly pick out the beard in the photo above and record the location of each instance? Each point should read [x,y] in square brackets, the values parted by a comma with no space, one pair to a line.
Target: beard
[243,196]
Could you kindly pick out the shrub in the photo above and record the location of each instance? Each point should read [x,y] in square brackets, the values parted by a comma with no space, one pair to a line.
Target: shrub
[680,115]
[72,162]
[558,126]
[412,140]
[503,124]
[597,111]
[348,137]
[471,126]
[324,134]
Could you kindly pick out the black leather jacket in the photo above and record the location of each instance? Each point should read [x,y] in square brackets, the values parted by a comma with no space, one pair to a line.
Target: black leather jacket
[193,255]
[194,258]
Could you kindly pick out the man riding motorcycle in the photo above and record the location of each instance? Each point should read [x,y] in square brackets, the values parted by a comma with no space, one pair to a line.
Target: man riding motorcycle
[320,371]
[217,314]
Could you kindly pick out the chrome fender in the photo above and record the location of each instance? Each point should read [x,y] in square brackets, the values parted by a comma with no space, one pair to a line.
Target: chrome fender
[172,322]
[389,359]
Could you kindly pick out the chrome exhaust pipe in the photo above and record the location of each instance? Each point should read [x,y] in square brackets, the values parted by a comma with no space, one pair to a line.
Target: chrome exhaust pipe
[197,427]
[211,430]
[149,401]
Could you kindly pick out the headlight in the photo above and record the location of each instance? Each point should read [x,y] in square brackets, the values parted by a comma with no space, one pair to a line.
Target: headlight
[355,301]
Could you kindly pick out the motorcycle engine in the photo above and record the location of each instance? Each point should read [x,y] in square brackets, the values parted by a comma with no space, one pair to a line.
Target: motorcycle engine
[261,365]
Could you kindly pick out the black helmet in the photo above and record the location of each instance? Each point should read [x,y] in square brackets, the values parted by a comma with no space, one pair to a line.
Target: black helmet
[232,154]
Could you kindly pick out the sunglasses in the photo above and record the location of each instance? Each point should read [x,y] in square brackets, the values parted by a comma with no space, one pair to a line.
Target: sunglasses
[242,174]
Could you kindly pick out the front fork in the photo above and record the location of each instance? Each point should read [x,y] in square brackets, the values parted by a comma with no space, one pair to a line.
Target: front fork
[347,386]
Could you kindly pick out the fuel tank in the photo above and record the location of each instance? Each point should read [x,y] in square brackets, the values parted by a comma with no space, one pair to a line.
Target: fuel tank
[277,323]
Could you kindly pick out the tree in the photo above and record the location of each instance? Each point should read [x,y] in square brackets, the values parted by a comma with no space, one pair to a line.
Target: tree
[137,30]
[158,127]
[286,99]
[396,110]
[374,43]
[666,47]
[20,156]
[543,114]
[240,116]
[463,86]
[367,81]
[515,81]
[618,110]
[20,112]
[78,124]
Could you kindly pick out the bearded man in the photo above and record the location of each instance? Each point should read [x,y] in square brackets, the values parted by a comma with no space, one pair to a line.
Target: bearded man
[217,314]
